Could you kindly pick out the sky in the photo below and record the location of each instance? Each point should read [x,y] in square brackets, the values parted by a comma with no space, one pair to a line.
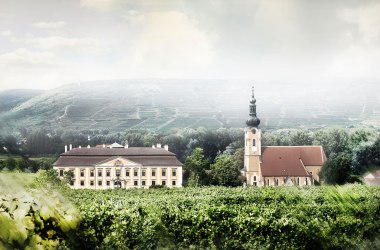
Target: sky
[48,43]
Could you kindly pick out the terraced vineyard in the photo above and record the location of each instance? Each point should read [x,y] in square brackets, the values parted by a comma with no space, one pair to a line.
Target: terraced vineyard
[165,104]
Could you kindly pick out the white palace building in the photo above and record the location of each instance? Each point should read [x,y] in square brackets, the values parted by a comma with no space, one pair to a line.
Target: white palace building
[117,166]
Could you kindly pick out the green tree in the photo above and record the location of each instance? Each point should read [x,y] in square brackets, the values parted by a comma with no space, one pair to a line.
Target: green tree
[195,166]
[239,157]
[47,179]
[225,171]
[10,163]
[68,177]
[333,141]
[366,156]
[337,170]
[301,137]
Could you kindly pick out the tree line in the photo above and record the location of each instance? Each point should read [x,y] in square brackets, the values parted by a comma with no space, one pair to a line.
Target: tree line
[211,157]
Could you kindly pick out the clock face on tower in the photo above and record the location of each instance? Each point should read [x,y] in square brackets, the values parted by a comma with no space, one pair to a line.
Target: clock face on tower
[253,131]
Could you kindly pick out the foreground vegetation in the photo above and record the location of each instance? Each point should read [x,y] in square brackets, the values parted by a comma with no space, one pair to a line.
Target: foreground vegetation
[324,217]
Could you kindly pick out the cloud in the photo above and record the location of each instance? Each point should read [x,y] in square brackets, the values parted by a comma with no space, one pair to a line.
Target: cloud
[367,19]
[22,57]
[59,42]
[49,25]
[170,44]
[100,5]
[6,33]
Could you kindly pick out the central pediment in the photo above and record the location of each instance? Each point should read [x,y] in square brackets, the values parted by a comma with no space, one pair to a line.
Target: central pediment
[117,161]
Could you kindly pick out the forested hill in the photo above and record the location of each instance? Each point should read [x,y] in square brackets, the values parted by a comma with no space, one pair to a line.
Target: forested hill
[165,104]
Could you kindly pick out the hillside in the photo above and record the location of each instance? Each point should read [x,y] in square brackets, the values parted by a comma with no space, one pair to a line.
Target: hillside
[165,104]
[11,98]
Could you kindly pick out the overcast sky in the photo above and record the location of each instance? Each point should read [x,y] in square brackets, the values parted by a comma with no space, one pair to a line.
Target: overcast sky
[47,43]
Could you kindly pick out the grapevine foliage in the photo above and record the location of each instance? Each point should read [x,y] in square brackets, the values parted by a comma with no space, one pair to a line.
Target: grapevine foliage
[229,218]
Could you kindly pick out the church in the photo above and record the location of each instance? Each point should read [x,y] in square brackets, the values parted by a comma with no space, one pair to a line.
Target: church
[278,165]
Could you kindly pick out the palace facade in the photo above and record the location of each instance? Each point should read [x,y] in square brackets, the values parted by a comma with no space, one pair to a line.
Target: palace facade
[278,165]
[117,166]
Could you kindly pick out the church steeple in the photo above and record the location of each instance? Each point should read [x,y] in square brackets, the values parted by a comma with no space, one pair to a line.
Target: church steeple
[253,121]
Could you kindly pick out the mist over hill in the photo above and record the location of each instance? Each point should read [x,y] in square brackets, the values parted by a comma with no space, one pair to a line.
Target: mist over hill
[11,98]
[162,105]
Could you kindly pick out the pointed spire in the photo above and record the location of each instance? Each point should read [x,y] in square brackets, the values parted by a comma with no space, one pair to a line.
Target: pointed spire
[253,121]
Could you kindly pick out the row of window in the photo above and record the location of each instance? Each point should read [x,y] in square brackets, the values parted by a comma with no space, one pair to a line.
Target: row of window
[127,172]
[277,180]
[135,183]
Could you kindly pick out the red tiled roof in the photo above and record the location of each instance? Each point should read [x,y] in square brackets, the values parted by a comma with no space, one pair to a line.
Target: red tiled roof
[290,160]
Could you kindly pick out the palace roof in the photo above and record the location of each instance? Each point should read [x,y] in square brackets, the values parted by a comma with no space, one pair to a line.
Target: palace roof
[141,155]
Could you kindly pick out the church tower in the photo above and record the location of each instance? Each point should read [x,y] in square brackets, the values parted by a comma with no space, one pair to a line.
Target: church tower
[252,153]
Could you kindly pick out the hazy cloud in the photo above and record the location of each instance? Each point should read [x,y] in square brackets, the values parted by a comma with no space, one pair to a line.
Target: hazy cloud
[49,25]
[57,42]
[170,44]
[6,33]
[24,58]
[101,5]
[264,40]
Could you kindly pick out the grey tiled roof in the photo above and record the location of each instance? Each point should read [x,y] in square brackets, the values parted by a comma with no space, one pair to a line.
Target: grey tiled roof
[91,156]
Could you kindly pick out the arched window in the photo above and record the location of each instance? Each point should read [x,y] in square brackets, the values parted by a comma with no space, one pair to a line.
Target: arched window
[253,143]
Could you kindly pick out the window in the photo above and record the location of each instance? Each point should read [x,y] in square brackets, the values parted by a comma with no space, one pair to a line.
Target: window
[143,183]
[174,172]
[135,173]
[82,173]
[100,183]
[153,183]
[298,180]
[153,172]
[254,143]
[276,182]
[92,173]
[100,172]
[135,183]
[108,183]
[117,172]
[82,183]
[143,172]
[254,178]
[268,182]
[61,172]
[108,172]
[163,183]
[127,172]
[173,183]
[164,172]
[91,183]
[71,182]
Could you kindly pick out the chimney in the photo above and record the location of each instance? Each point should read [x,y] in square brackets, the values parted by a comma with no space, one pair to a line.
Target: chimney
[104,145]
[65,148]
[166,147]
[71,146]
[80,146]
[126,145]
[158,145]
[88,146]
